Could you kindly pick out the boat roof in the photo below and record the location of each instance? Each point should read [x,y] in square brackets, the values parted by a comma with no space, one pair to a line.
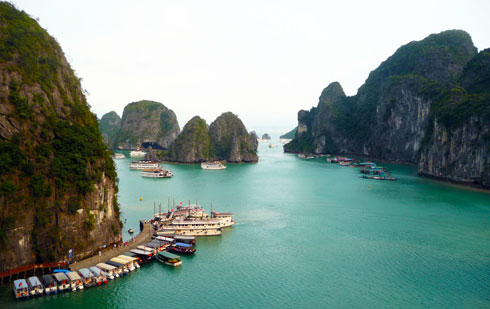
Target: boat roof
[60,277]
[34,280]
[20,283]
[163,238]
[115,264]
[169,255]
[145,248]
[105,266]
[141,252]
[48,279]
[120,261]
[181,244]
[73,275]
[185,237]
[61,271]
[127,258]
[222,213]
[85,272]
[95,270]
[153,245]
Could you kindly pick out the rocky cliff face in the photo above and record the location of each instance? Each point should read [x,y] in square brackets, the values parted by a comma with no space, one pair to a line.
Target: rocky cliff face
[254,139]
[57,185]
[426,90]
[193,144]
[230,140]
[226,139]
[147,121]
[109,126]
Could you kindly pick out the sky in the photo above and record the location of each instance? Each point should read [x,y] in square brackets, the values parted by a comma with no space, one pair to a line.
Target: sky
[262,60]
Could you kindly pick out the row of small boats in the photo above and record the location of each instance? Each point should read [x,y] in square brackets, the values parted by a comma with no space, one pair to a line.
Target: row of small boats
[64,280]
[369,170]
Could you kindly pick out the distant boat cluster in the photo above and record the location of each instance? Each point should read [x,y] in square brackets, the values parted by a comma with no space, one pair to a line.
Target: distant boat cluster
[369,170]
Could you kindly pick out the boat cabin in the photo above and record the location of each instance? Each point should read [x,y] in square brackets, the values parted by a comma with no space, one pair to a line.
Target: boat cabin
[182,248]
[148,249]
[142,255]
[75,281]
[165,239]
[125,264]
[21,290]
[133,262]
[186,239]
[49,284]
[35,286]
[110,270]
[168,258]
[88,278]
[100,277]
[62,281]
[119,267]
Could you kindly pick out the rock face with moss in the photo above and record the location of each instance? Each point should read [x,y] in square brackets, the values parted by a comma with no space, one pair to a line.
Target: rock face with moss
[426,104]
[230,140]
[290,135]
[193,145]
[147,121]
[109,126]
[58,181]
[254,140]
[226,139]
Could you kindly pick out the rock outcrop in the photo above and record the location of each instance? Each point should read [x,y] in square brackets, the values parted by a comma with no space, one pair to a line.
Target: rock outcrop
[58,181]
[266,136]
[109,126]
[147,121]
[193,145]
[254,139]
[290,135]
[425,104]
[230,140]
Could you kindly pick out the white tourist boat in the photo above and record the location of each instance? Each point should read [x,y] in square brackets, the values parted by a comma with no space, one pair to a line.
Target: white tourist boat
[119,156]
[156,173]
[144,165]
[213,165]
[137,154]
[193,227]
[225,219]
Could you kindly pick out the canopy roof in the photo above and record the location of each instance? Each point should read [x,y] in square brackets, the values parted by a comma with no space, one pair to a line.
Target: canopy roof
[20,284]
[105,266]
[181,244]
[34,281]
[73,276]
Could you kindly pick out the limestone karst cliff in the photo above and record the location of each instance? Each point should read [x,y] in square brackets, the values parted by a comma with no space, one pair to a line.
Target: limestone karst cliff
[109,125]
[425,104]
[58,181]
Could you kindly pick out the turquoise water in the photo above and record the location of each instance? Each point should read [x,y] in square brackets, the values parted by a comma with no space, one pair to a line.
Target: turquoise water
[308,234]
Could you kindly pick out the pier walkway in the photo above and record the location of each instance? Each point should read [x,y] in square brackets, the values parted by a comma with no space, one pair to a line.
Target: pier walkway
[142,238]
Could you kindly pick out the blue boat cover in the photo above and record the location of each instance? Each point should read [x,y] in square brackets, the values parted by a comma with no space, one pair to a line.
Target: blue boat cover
[61,271]
[181,244]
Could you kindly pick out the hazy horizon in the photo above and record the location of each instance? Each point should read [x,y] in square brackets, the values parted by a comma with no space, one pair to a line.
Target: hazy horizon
[263,61]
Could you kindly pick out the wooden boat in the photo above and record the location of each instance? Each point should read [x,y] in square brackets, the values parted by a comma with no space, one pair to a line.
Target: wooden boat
[111,271]
[35,286]
[49,284]
[99,275]
[88,278]
[213,165]
[21,289]
[75,281]
[62,281]
[182,248]
[168,258]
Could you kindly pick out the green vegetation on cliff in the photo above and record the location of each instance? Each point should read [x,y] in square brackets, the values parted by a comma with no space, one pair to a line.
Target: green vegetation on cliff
[109,125]
[52,157]
[193,144]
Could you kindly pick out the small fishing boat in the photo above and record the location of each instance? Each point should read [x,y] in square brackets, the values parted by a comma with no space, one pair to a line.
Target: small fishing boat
[75,281]
[99,275]
[109,270]
[216,165]
[182,248]
[119,156]
[49,284]
[35,286]
[62,281]
[168,258]
[21,289]
[88,278]
[130,231]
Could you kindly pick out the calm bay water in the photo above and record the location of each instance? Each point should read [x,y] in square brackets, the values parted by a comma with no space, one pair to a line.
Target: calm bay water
[308,234]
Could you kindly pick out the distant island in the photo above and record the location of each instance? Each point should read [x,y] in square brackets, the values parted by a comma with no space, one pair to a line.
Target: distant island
[429,103]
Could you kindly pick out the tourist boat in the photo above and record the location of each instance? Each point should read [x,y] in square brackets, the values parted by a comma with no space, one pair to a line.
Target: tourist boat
[21,289]
[132,260]
[75,281]
[194,228]
[62,281]
[182,248]
[144,165]
[143,255]
[301,155]
[49,284]
[119,271]
[271,145]
[156,173]
[100,276]
[109,270]
[135,258]
[344,163]
[225,219]
[124,263]
[168,258]
[186,239]
[216,165]
[119,156]
[35,286]
[88,278]
[137,154]
[169,240]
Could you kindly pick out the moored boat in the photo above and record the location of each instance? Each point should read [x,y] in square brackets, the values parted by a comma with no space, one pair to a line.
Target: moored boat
[137,154]
[216,165]
[193,227]
[144,165]
[88,278]
[21,289]
[225,219]
[62,281]
[109,270]
[156,173]
[35,286]
[168,258]
[119,156]
[49,284]
[75,281]
[182,248]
